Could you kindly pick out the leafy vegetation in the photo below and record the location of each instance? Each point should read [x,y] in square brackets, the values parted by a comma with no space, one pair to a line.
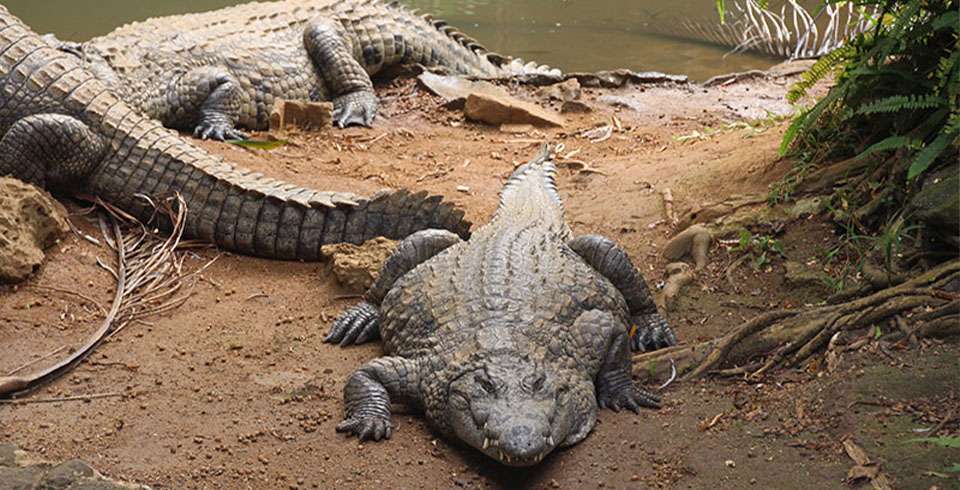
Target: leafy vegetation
[891,118]
[761,249]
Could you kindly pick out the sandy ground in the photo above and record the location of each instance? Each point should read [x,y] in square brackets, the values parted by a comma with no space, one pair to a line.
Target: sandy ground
[236,390]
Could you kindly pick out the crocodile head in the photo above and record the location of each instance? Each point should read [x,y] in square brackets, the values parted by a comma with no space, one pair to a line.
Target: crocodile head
[517,410]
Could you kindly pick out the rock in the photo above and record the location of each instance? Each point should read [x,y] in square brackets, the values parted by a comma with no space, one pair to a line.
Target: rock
[357,266]
[516,128]
[937,205]
[623,76]
[18,470]
[30,222]
[575,107]
[622,101]
[800,276]
[65,474]
[8,454]
[455,90]
[498,110]
[564,91]
[301,114]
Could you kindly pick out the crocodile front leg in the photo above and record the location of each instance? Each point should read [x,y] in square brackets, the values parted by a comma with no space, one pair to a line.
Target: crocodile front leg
[332,50]
[612,261]
[362,322]
[50,150]
[206,100]
[602,346]
[368,393]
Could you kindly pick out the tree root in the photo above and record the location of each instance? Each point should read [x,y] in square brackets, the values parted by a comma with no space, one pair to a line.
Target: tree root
[788,337]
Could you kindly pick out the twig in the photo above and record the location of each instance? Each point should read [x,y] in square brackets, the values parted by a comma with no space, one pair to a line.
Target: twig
[668,206]
[61,399]
[31,363]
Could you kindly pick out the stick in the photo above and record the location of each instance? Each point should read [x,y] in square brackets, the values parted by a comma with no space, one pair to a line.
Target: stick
[31,363]
[60,399]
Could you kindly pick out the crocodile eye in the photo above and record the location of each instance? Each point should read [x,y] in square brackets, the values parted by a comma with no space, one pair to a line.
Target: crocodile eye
[538,383]
[485,383]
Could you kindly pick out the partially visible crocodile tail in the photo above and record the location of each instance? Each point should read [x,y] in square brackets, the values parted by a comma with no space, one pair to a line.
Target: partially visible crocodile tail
[245,212]
[533,184]
[504,66]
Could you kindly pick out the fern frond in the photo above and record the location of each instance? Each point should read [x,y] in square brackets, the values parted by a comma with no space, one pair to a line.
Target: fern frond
[888,143]
[929,153]
[897,103]
[820,69]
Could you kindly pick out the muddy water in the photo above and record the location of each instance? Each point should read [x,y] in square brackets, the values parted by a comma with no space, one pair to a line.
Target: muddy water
[574,35]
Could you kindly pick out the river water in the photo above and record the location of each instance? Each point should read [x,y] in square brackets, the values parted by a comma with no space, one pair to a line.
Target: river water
[573,35]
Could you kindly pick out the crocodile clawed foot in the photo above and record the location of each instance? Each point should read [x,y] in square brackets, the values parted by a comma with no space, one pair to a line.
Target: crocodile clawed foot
[355,326]
[216,130]
[371,428]
[355,108]
[630,398]
[651,333]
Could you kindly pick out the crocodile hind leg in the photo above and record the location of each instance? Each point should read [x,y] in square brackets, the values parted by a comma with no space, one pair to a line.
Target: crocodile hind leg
[602,345]
[362,322]
[50,150]
[610,260]
[206,100]
[368,393]
[331,50]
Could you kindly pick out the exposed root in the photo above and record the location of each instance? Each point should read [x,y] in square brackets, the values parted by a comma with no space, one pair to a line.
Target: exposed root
[693,241]
[679,275]
[788,337]
[149,275]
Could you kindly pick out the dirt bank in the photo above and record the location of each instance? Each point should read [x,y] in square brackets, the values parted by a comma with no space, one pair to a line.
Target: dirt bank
[236,390]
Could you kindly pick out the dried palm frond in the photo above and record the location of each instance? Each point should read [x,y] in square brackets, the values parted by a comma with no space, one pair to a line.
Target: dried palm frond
[149,275]
[792,33]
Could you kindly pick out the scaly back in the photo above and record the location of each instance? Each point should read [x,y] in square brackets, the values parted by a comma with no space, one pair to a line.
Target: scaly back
[530,195]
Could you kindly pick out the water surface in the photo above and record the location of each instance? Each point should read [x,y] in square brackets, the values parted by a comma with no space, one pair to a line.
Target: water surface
[573,35]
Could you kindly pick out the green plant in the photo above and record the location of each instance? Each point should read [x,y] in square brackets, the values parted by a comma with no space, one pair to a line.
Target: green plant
[897,90]
[760,249]
[951,442]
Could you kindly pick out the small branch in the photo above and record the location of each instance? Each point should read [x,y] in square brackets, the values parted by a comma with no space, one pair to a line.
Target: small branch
[61,399]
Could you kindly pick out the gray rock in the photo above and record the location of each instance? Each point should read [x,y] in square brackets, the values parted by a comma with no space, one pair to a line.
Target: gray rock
[623,101]
[564,91]
[65,474]
[575,106]
[8,455]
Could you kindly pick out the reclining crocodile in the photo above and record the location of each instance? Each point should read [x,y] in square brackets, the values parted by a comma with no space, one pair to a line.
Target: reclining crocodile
[63,129]
[508,341]
[211,71]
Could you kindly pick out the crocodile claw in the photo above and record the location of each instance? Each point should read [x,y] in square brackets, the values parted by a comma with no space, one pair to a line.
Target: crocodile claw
[651,333]
[367,428]
[355,108]
[218,131]
[355,326]
[630,398]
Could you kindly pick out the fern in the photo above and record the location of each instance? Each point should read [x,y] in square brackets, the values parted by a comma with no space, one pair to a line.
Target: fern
[930,152]
[824,66]
[889,143]
[897,103]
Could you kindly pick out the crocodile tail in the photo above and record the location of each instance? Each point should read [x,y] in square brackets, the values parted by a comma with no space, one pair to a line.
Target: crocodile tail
[250,214]
[533,183]
[502,66]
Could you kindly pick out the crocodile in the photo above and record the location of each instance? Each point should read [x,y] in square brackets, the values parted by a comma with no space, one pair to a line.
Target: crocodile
[509,341]
[65,130]
[211,72]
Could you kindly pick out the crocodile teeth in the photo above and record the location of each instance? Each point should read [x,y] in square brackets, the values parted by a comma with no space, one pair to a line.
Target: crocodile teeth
[486,443]
[550,441]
